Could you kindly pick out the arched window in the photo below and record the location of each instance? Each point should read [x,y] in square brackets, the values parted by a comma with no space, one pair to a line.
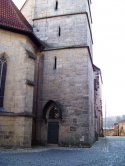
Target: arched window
[52,110]
[3,70]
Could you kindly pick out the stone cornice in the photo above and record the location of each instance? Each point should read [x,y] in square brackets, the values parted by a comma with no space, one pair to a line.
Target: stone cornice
[12,114]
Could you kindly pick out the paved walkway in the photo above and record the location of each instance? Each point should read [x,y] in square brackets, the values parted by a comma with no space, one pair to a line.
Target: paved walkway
[108,151]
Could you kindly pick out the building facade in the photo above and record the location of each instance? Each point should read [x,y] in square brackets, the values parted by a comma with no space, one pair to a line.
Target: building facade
[98,102]
[18,48]
[49,87]
[119,128]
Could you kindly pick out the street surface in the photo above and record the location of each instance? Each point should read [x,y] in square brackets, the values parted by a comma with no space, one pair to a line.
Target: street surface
[108,151]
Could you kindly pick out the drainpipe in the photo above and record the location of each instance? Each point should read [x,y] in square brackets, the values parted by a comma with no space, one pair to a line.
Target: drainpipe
[36,97]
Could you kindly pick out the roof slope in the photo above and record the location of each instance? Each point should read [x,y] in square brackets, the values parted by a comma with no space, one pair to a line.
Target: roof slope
[13,20]
[11,17]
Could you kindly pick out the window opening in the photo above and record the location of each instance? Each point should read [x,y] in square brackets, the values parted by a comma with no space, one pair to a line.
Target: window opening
[55,62]
[59,31]
[3,70]
[56,7]
[54,113]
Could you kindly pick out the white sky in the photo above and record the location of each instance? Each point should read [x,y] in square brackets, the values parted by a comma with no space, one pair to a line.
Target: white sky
[109,53]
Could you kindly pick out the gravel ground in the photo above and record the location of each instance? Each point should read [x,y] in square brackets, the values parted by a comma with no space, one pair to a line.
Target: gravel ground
[108,151]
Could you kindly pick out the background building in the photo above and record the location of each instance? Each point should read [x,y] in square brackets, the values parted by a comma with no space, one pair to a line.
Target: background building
[98,101]
[119,128]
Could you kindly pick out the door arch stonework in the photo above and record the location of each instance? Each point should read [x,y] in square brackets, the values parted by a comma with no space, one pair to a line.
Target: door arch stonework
[52,114]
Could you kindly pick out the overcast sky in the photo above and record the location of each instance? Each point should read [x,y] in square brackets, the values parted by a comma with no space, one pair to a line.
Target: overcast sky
[109,53]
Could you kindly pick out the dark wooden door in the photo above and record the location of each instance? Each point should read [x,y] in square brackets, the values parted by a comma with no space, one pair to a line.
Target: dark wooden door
[53,132]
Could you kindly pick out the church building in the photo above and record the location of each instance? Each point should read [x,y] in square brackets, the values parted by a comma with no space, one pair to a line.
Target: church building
[47,75]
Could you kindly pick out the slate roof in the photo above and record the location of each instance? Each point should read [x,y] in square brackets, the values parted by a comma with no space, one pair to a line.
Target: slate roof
[12,19]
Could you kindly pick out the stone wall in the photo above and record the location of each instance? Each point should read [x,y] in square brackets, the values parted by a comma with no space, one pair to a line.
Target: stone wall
[15,131]
[65,29]
[74,31]
[68,84]
[42,8]
[28,10]
[98,101]
[48,9]
[73,18]
[18,96]
[91,101]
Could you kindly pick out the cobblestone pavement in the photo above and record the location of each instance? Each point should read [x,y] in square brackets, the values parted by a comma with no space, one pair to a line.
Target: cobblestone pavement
[108,151]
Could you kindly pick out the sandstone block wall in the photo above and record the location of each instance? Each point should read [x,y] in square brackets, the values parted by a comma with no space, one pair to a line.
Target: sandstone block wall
[74,31]
[48,9]
[18,96]
[68,85]
[66,33]
[75,27]
[15,131]
[41,9]
[98,103]
[91,102]
[28,10]
[19,68]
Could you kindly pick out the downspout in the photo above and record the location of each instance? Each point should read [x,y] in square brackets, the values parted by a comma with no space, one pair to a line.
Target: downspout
[36,98]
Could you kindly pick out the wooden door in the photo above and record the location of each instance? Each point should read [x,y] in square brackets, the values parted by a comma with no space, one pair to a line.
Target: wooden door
[53,132]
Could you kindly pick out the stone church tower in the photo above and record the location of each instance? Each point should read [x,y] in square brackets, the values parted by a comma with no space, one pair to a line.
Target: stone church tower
[47,76]
[65,99]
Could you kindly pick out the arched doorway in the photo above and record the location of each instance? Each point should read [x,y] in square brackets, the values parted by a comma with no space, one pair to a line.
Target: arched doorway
[52,114]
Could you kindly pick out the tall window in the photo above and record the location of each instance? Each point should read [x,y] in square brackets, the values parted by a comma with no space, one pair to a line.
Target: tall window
[56,6]
[3,70]
[59,31]
[55,63]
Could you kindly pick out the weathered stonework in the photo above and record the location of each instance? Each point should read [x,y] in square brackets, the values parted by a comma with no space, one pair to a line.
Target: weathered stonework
[45,9]
[15,131]
[66,33]
[49,95]
[68,85]
[72,28]
[18,96]
[98,101]
[28,10]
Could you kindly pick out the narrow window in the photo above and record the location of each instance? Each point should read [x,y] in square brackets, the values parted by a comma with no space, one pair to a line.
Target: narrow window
[55,63]
[56,7]
[59,31]
[3,70]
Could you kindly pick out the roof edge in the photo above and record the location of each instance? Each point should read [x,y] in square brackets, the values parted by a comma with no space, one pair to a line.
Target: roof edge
[31,35]
[23,5]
